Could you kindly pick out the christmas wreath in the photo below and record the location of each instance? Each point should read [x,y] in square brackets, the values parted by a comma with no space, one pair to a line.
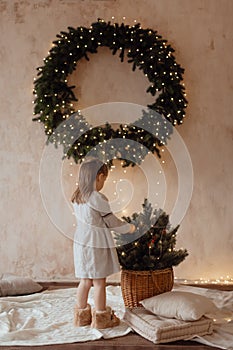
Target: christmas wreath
[144,49]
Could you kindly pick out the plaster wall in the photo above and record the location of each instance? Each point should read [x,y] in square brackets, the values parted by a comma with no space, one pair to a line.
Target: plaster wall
[201,33]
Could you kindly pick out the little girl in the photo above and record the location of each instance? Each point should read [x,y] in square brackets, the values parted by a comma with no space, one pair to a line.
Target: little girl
[95,255]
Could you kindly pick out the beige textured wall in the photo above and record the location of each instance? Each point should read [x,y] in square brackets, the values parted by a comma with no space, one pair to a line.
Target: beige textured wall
[201,33]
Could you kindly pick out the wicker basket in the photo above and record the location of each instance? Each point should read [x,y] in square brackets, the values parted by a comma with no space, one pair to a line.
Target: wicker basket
[139,285]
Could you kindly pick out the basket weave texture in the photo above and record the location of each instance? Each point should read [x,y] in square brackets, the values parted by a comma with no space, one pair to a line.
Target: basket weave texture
[139,285]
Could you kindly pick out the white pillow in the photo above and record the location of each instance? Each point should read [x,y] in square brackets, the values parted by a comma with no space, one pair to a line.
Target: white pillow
[184,306]
[16,285]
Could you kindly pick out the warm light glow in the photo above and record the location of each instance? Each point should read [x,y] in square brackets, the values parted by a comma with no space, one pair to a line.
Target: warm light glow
[220,281]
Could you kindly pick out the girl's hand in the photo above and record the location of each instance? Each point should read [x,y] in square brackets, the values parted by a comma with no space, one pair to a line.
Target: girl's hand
[132,228]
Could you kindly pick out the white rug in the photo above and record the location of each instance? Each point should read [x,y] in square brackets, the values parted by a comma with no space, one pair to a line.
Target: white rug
[222,336]
[47,318]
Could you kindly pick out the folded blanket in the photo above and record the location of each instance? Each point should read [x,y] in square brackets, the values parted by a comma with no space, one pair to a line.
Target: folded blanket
[163,330]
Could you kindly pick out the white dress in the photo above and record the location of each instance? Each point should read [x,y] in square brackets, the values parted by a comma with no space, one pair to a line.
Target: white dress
[94,250]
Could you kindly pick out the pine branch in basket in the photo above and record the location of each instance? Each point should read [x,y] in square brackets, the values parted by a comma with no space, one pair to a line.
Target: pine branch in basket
[152,246]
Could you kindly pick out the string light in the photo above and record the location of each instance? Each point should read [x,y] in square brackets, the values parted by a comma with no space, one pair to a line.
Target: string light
[218,281]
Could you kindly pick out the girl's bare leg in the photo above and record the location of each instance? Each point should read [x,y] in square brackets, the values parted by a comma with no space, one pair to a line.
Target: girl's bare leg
[100,293]
[82,292]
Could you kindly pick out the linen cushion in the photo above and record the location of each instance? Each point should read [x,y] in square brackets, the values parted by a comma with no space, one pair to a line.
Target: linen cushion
[163,330]
[185,306]
[15,285]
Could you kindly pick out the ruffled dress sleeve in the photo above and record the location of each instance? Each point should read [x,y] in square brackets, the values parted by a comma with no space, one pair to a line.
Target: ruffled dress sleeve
[100,203]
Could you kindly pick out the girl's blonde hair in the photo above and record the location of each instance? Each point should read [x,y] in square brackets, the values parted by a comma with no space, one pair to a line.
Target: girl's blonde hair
[88,172]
